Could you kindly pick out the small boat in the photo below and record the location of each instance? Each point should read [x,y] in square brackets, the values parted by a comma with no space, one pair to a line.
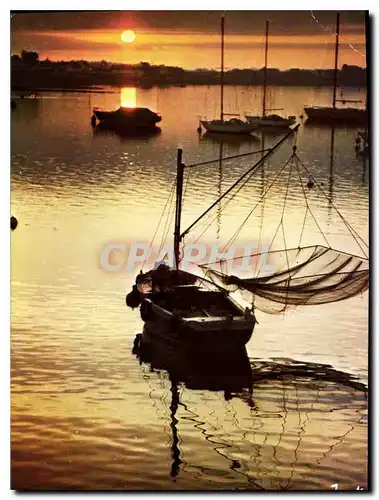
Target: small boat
[326,114]
[332,114]
[176,307]
[128,118]
[269,121]
[233,125]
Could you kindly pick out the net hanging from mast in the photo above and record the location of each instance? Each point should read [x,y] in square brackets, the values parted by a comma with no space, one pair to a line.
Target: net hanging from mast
[276,280]
[297,276]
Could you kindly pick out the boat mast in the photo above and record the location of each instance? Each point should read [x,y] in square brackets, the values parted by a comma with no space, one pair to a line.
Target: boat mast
[336,60]
[265,74]
[249,171]
[222,68]
[178,210]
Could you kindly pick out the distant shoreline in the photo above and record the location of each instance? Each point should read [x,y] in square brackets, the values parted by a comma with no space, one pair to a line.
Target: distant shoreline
[29,73]
[101,90]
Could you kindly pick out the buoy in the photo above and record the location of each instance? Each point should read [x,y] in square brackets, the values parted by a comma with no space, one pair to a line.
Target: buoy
[14,223]
[93,121]
[310,184]
[301,116]
[199,129]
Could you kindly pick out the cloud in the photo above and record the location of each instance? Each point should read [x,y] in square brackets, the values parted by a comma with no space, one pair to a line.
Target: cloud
[245,22]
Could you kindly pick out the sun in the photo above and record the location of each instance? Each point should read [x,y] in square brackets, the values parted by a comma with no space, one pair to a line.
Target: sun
[128,36]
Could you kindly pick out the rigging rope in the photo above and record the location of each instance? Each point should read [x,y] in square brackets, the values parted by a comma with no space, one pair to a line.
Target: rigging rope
[352,231]
[233,157]
[306,201]
[214,217]
[168,219]
[232,239]
[159,222]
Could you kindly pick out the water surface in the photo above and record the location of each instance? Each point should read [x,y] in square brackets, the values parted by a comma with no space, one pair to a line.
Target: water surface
[85,413]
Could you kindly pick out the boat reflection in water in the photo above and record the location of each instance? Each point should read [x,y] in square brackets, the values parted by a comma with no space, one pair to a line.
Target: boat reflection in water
[232,140]
[277,425]
[102,129]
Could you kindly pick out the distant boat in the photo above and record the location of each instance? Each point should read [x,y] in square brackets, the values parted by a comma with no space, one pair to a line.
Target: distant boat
[272,121]
[128,118]
[332,114]
[221,126]
[232,126]
[269,120]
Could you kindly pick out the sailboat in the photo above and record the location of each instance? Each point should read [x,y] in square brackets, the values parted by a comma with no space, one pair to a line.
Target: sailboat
[332,114]
[178,306]
[272,121]
[222,126]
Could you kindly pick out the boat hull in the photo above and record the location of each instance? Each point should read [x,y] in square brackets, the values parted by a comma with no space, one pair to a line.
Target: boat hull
[132,122]
[258,121]
[336,115]
[204,333]
[228,127]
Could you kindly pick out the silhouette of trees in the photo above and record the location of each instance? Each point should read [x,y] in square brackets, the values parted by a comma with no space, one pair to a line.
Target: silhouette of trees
[29,57]
[28,70]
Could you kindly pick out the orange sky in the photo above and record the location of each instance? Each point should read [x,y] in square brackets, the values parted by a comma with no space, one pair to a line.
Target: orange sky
[305,44]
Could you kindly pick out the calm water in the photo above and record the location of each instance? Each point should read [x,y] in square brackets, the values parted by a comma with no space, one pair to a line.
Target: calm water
[86,413]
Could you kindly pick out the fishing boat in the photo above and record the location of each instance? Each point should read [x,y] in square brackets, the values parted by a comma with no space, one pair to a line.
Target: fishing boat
[178,306]
[233,125]
[270,121]
[333,114]
[127,118]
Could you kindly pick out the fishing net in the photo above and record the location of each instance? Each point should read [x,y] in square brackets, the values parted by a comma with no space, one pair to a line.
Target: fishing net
[288,278]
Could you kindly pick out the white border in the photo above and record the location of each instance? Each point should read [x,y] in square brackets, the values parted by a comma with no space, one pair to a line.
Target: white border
[5,175]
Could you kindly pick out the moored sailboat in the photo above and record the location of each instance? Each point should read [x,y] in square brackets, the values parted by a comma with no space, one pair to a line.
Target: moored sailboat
[233,125]
[271,121]
[332,114]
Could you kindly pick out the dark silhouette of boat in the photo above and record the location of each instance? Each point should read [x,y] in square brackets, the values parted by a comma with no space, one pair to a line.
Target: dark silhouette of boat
[326,114]
[128,118]
[332,114]
[177,308]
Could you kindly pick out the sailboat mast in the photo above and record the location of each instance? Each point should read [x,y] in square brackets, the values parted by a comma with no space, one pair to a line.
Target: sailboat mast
[336,59]
[265,74]
[250,171]
[178,210]
[222,68]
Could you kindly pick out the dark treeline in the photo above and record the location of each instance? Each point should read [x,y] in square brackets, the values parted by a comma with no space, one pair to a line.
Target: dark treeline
[29,72]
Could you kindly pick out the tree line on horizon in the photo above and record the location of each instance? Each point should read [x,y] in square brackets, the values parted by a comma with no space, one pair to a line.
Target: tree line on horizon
[83,73]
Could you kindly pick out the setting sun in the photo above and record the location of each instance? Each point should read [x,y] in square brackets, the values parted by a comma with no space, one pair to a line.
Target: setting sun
[128,36]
